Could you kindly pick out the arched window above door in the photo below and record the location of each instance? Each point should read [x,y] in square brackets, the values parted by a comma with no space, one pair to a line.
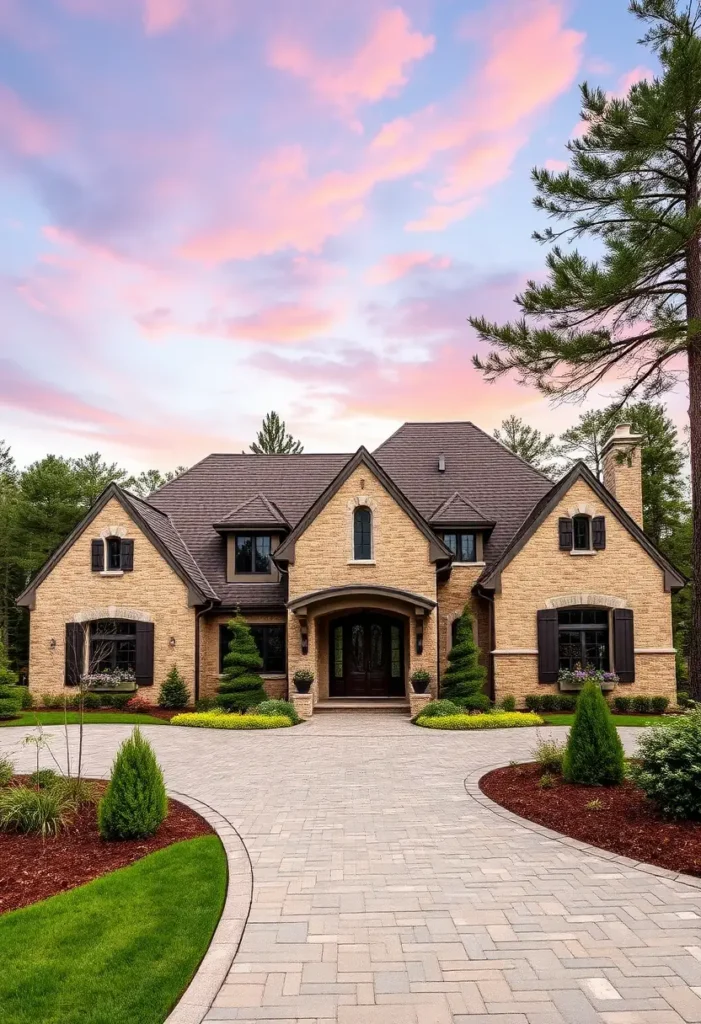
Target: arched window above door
[362,534]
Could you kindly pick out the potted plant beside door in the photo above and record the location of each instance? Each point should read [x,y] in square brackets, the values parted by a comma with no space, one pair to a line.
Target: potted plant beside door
[303,679]
[420,680]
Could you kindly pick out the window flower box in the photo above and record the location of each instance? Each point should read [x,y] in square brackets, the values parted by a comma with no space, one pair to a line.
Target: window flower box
[574,679]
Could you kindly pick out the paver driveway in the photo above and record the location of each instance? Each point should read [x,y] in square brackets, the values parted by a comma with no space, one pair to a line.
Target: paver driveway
[385,894]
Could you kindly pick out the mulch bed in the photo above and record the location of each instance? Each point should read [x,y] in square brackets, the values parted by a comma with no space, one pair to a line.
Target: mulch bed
[627,824]
[34,868]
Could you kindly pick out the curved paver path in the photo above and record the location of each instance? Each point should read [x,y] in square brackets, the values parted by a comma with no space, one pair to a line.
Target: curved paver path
[384,893]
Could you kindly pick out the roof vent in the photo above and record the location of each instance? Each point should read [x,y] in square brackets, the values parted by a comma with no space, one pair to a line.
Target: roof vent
[441,463]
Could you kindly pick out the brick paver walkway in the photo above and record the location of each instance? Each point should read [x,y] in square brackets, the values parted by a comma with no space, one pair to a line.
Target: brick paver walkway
[385,894]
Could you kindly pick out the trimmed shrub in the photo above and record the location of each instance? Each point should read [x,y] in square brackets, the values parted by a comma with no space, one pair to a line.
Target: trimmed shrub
[26,698]
[594,754]
[174,693]
[439,709]
[135,802]
[33,810]
[43,778]
[497,720]
[278,707]
[60,700]
[549,755]
[205,703]
[533,702]
[476,702]
[623,704]
[658,705]
[241,687]
[93,701]
[10,696]
[567,702]
[683,698]
[138,706]
[117,701]
[668,766]
[464,676]
[226,720]
[548,702]
[508,703]
[641,705]
[7,770]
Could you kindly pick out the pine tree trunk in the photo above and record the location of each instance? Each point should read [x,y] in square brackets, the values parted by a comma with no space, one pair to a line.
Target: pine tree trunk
[695,459]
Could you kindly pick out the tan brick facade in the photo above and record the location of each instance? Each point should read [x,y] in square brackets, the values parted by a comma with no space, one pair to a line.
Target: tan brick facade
[540,572]
[72,592]
[324,558]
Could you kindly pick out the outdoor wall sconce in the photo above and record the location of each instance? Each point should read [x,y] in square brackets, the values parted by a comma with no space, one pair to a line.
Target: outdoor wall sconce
[52,643]
[171,642]
[304,636]
[419,635]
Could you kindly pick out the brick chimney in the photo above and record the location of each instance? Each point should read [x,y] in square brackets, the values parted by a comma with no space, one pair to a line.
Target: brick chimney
[623,470]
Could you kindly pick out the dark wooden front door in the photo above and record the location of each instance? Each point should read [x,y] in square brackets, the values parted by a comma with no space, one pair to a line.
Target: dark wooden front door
[366,656]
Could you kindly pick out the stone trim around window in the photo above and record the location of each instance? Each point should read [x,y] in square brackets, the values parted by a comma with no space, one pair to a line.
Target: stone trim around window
[586,599]
[112,611]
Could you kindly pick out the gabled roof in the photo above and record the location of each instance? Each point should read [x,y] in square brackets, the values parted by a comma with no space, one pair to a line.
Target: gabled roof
[256,511]
[491,577]
[458,511]
[437,550]
[159,529]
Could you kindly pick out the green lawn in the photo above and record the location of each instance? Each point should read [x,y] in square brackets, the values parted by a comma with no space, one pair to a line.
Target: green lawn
[30,718]
[639,721]
[120,950]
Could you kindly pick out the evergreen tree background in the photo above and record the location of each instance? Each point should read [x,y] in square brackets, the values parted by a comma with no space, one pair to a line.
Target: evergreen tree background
[464,678]
[529,444]
[10,699]
[273,438]
[240,687]
[173,693]
[633,186]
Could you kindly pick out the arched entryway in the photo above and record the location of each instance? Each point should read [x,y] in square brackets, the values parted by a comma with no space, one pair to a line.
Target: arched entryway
[366,655]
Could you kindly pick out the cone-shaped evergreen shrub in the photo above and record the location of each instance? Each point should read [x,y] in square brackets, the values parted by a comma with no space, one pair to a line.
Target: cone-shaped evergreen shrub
[10,693]
[241,687]
[135,802]
[174,693]
[464,677]
[594,754]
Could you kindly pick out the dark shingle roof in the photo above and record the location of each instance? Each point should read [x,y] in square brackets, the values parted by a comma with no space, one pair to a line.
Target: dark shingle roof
[458,511]
[208,493]
[255,512]
[486,473]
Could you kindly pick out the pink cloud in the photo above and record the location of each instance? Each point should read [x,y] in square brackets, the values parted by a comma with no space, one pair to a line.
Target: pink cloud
[440,216]
[22,130]
[377,69]
[556,165]
[285,322]
[161,15]
[636,74]
[398,265]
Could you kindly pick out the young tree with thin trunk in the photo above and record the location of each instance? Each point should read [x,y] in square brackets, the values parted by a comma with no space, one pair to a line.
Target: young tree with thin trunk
[635,314]
[273,438]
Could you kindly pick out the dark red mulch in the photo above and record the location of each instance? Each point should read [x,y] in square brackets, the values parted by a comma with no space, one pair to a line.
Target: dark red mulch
[627,824]
[34,868]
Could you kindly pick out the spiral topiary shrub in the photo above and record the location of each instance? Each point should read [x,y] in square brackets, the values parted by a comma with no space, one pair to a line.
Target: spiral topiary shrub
[241,687]
[135,802]
[594,753]
[464,676]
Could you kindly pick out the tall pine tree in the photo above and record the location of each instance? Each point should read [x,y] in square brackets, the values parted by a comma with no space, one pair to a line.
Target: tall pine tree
[273,438]
[633,185]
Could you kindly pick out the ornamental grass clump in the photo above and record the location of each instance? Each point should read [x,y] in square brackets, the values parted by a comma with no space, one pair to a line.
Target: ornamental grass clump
[135,802]
[668,766]
[241,687]
[22,809]
[174,694]
[594,753]
[278,707]
[7,770]
[549,754]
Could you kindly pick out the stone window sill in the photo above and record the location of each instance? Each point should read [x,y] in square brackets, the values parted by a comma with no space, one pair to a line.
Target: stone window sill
[583,553]
[480,564]
[112,572]
[361,561]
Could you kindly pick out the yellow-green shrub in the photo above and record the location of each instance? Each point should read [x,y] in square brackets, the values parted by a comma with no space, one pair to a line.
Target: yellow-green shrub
[224,720]
[497,720]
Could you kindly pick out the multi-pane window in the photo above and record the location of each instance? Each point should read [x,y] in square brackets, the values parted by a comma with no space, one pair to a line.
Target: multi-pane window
[253,553]
[583,638]
[270,641]
[362,535]
[463,545]
[581,530]
[112,646]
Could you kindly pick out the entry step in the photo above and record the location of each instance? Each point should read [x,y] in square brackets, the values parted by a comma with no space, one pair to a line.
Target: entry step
[378,705]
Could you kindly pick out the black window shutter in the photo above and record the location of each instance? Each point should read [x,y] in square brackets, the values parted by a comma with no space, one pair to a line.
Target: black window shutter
[565,527]
[598,533]
[624,645]
[75,639]
[548,653]
[98,555]
[144,653]
[127,555]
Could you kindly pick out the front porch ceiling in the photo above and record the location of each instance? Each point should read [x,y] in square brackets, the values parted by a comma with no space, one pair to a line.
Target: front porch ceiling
[300,605]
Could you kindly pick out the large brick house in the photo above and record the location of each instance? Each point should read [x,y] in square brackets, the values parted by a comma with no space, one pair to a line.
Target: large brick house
[357,566]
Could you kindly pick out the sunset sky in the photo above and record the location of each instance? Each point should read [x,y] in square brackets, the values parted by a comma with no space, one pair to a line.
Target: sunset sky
[212,208]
